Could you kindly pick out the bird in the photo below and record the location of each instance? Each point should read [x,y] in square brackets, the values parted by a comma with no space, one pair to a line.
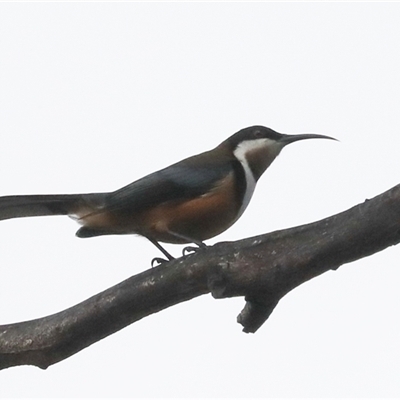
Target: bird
[187,202]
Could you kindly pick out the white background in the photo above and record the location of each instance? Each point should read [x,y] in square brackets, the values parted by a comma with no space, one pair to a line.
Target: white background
[96,95]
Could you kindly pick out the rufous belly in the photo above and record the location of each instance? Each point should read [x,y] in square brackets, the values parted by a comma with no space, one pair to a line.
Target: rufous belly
[198,219]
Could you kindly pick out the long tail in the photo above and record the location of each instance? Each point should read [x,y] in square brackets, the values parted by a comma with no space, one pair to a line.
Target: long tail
[57,204]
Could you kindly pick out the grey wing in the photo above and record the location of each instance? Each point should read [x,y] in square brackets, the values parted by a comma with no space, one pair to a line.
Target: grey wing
[177,182]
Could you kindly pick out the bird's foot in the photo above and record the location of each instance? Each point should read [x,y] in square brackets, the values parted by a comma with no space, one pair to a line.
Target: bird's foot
[193,249]
[159,261]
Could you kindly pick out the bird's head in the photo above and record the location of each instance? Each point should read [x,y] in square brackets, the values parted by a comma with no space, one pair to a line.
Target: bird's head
[258,146]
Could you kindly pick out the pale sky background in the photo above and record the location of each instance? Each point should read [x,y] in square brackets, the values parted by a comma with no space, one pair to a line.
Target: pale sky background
[96,95]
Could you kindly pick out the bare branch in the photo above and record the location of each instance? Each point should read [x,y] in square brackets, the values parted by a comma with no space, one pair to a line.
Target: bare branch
[263,269]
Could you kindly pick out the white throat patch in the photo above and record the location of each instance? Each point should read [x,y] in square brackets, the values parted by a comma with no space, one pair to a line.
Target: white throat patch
[240,152]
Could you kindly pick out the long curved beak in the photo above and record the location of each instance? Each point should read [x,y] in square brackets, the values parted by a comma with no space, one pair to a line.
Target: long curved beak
[286,139]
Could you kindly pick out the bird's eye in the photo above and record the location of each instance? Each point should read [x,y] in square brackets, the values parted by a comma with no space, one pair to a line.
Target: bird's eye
[257,134]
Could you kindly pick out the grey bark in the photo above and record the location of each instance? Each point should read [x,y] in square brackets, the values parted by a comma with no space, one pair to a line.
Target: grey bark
[262,269]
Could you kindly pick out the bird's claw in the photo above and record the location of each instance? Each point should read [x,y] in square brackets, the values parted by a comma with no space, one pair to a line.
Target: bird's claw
[192,249]
[158,261]
[189,249]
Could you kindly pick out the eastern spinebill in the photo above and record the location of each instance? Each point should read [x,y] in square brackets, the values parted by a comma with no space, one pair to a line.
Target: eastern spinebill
[188,202]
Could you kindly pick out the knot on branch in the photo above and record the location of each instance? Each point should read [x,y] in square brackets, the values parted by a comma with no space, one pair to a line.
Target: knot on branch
[226,279]
[256,312]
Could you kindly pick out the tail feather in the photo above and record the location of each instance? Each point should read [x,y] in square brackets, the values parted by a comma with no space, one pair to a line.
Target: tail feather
[40,205]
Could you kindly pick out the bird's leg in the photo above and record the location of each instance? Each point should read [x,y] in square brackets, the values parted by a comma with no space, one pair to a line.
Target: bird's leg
[185,251]
[159,260]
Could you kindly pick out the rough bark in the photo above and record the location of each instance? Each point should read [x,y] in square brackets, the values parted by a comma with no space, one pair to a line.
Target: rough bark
[262,269]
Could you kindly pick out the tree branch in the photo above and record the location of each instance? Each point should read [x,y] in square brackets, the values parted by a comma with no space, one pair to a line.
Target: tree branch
[262,268]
